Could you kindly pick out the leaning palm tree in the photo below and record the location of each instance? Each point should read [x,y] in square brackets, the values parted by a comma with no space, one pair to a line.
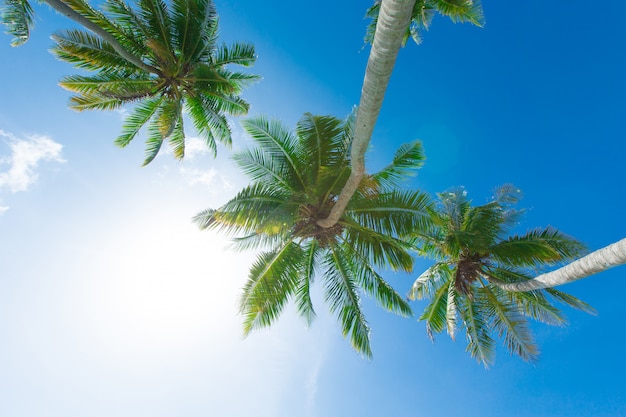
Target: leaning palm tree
[295,181]
[473,252]
[594,263]
[393,21]
[162,57]
[423,13]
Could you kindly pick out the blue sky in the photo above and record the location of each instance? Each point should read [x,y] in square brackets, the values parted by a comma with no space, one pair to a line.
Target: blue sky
[112,303]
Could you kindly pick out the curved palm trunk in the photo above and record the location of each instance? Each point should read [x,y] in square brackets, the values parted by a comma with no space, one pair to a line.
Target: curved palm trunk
[598,261]
[392,23]
[72,14]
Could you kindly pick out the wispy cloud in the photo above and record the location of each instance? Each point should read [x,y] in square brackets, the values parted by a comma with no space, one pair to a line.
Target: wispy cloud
[19,169]
[195,147]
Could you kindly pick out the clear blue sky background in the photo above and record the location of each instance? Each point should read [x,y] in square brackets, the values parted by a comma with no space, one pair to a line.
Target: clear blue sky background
[112,303]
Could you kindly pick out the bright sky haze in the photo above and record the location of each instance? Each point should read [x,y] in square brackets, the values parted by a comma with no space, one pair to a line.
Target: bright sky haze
[112,303]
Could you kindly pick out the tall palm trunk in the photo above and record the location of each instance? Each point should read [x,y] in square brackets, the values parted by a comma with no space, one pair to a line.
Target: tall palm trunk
[393,20]
[69,12]
[598,261]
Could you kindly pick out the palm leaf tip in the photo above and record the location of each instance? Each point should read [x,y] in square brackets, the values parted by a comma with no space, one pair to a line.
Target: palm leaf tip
[17,17]
[205,219]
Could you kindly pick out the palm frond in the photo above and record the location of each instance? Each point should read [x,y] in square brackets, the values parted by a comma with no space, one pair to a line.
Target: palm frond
[176,139]
[206,121]
[256,241]
[454,206]
[508,321]
[17,17]
[571,301]
[426,285]
[537,247]
[373,284]
[238,53]
[380,249]
[406,161]
[302,292]
[158,27]
[95,101]
[205,219]
[255,209]
[138,118]
[397,213]
[88,51]
[280,143]
[451,311]
[460,10]
[100,19]
[341,295]
[320,143]
[534,304]
[260,167]
[201,35]
[114,85]
[131,29]
[480,345]
[272,281]
[155,138]
[435,313]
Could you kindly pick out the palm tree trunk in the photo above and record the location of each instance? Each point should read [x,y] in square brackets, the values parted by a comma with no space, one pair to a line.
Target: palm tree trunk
[392,24]
[598,261]
[72,14]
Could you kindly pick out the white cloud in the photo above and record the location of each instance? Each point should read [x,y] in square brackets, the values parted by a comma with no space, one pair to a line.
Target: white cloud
[24,159]
[195,147]
[199,176]
[3,209]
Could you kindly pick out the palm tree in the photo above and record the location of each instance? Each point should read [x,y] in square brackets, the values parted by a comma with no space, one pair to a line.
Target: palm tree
[165,59]
[473,251]
[423,13]
[394,18]
[295,181]
[393,21]
[596,262]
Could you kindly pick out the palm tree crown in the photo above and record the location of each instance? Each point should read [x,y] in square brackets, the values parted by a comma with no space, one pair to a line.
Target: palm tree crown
[295,180]
[425,10]
[473,250]
[182,67]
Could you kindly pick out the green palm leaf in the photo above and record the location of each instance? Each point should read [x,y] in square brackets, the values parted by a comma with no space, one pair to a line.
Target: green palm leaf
[158,27]
[238,53]
[17,17]
[273,138]
[479,344]
[538,246]
[534,304]
[95,101]
[460,10]
[303,290]
[425,286]
[571,301]
[435,313]
[394,213]
[373,284]
[342,297]
[378,248]
[406,161]
[87,51]
[137,119]
[272,280]
[259,166]
[509,322]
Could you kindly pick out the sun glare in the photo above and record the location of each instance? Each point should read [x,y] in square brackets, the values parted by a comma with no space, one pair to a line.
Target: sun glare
[165,289]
